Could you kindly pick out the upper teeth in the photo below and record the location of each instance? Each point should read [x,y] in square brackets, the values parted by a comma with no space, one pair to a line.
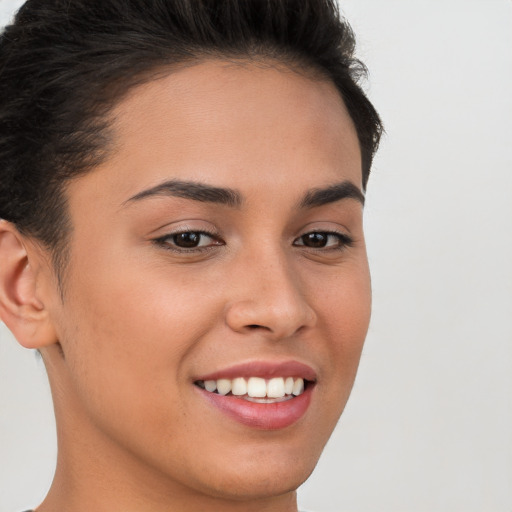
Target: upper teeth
[256,387]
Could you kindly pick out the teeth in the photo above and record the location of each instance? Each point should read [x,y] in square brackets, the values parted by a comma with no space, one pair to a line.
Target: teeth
[211,385]
[223,386]
[256,387]
[288,385]
[298,387]
[239,387]
[275,388]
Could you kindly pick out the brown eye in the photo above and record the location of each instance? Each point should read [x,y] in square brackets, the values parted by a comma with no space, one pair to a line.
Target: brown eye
[323,240]
[316,240]
[187,240]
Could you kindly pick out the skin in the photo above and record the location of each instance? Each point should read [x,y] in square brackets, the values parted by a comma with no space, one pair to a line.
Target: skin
[140,319]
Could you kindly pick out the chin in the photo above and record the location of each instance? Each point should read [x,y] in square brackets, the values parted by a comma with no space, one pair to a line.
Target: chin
[254,474]
[253,483]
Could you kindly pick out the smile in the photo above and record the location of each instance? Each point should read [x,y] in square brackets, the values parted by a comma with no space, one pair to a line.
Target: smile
[260,394]
[256,389]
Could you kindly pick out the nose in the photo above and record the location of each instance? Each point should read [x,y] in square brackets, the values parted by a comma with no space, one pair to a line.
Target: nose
[269,299]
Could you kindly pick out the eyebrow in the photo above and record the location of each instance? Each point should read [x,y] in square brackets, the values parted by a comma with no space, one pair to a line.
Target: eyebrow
[230,197]
[192,190]
[321,196]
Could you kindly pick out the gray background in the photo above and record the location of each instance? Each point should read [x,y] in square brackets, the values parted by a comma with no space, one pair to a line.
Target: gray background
[429,424]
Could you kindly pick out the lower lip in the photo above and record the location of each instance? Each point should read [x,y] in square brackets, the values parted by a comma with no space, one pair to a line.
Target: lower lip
[271,416]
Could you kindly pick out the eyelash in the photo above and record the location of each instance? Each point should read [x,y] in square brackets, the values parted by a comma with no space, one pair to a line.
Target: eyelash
[168,241]
[343,240]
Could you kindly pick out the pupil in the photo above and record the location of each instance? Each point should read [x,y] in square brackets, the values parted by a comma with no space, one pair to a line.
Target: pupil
[187,239]
[315,240]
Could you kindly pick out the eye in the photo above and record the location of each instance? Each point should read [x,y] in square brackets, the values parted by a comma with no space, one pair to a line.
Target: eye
[188,241]
[323,240]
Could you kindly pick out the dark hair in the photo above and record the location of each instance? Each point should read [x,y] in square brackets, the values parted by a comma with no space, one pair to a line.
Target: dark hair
[65,63]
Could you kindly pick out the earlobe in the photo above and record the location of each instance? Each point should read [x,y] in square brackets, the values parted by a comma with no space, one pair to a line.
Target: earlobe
[21,309]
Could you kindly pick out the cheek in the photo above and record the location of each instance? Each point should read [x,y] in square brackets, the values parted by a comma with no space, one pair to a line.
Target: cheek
[345,300]
[139,307]
[345,309]
[137,321]
[128,348]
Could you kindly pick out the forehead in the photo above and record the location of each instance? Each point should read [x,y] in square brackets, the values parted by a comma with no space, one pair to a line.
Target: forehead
[230,124]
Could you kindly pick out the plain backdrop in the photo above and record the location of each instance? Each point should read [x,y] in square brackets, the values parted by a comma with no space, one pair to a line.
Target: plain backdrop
[429,425]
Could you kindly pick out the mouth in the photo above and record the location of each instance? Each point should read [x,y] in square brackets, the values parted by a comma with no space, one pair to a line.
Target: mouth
[257,389]
[261,395]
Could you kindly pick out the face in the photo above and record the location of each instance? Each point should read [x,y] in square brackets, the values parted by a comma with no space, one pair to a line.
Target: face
[219,248]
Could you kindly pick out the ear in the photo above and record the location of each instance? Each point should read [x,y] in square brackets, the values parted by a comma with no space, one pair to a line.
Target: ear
[21,309]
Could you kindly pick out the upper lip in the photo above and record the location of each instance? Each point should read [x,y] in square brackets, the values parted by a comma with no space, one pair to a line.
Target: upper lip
[263,369]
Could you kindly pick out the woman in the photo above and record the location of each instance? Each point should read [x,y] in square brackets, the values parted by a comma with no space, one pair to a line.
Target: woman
[182,192]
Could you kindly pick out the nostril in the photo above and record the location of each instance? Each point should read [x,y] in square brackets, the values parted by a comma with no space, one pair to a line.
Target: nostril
[254,327]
